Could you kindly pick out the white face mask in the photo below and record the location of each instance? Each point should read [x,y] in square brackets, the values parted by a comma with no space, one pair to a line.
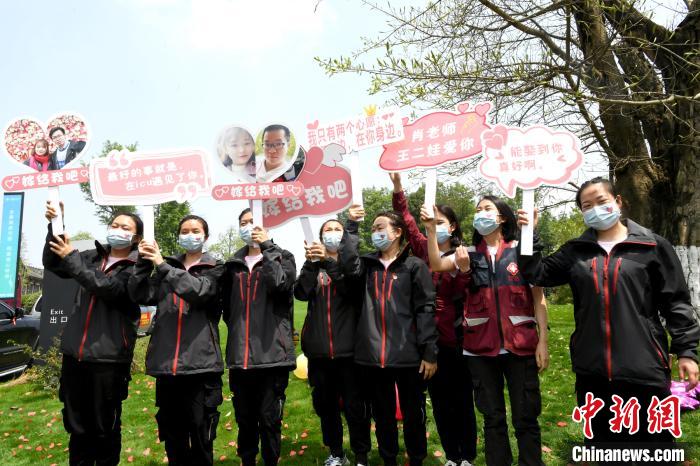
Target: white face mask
[118,238]
[246,234]
[191,242]
[602,217]
[331,240]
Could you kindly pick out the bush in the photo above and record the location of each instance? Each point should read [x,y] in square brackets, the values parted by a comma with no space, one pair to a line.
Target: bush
[29,299]
[46,368]
[559,295]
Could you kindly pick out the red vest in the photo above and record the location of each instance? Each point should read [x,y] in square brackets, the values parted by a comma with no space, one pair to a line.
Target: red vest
[499,311]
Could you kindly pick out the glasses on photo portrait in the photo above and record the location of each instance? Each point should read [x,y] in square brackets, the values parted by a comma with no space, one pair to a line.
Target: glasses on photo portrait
[274,145]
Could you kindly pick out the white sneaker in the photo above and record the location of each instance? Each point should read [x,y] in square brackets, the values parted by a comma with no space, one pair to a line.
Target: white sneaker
[450,463]
[336,461]
[465,463]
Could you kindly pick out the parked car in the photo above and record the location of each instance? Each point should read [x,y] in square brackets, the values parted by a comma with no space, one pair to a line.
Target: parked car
[146,321]
[18,331]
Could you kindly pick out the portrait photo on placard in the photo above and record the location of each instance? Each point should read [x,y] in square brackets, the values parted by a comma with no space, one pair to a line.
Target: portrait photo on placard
[44,147]
[278,154]
[236,150]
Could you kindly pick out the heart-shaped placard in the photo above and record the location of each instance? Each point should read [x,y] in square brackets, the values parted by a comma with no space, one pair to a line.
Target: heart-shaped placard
[34,144]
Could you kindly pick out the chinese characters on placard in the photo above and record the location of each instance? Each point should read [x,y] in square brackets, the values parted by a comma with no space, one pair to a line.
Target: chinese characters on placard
[358,133]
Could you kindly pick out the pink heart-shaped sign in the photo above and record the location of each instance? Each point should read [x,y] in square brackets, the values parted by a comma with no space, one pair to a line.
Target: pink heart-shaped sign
[494,141]
[482,109]
[463,107]
[34,144]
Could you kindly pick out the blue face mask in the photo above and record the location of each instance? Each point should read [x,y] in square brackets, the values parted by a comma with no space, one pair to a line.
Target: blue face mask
[119,239]
[381,241]
[602,217]
[331,240]
[442,233]
[191,242]
[485,222]
[246,233]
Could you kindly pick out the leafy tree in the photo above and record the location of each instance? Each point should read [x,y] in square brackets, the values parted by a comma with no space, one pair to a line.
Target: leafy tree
[168,216]
[604,69]
[106,212]
[81,235]
[227,244]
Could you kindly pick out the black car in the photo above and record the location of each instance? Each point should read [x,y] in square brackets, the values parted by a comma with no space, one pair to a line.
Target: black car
[17,332]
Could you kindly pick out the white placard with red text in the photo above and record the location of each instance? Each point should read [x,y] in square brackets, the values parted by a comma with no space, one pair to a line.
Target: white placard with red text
[148,178]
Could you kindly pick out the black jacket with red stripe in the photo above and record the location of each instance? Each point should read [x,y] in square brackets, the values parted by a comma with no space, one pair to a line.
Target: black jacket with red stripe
[333,309]
[102,325]
[619,299]
[259,308]
[396,327]
[185,335]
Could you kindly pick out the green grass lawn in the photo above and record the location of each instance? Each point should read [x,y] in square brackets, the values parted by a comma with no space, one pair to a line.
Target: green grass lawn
[31,430]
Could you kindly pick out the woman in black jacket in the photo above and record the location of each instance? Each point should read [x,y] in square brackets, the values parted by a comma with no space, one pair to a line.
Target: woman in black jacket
[98,341]
[183,354]
[624,279]
[328,340]
[396,337]
[258,302]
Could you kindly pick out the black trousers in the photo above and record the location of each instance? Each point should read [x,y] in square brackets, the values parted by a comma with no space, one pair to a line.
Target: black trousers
[520,373]
[451,394]
[335,382]
[92,395]
[258,401]
[381,388]
[604,389]
[188,416]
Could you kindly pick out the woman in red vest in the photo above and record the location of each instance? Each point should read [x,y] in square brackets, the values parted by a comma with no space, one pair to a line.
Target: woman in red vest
[501,341]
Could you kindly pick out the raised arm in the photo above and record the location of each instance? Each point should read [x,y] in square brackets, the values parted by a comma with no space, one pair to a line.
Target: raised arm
[306,281]
[195,290]
[349,251]
[549,271]
[400,204]
[143,285]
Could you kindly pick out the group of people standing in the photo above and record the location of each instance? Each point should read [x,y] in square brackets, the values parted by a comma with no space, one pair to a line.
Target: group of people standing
[423,311]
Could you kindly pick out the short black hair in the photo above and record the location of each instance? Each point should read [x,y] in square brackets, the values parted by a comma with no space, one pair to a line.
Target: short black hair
[447,211]
[204,223]
[245,211]
[287,133]
[323,225]
[57,128]
[509,228]
[609,187]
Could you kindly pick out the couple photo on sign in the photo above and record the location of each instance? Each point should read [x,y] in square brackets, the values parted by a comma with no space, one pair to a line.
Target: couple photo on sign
[272,158]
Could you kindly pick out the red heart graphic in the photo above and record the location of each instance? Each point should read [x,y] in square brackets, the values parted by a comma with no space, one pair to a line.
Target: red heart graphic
[314,159]
[23,133]
[327,190]
[463,107]
[313,125]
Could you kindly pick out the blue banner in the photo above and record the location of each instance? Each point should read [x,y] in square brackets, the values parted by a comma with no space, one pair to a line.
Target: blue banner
[10,237]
